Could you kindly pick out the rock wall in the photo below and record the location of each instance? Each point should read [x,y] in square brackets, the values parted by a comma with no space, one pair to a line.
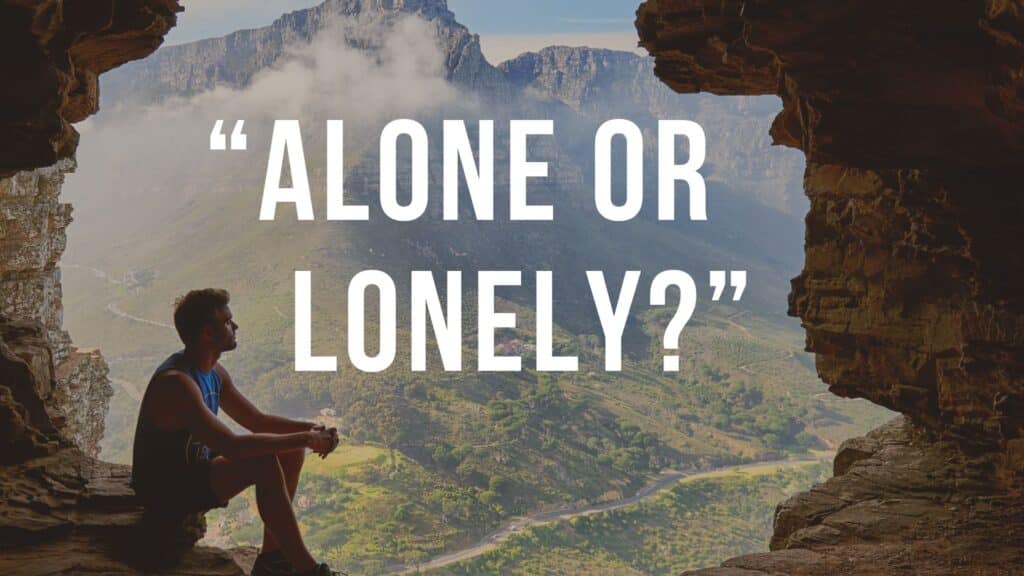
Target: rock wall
[62,511]
[56,51]
[32,239]
[910,116]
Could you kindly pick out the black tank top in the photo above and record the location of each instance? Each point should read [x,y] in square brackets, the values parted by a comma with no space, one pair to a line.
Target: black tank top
[159,456]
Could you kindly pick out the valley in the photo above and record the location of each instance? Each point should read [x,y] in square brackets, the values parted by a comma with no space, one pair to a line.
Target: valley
[436,460]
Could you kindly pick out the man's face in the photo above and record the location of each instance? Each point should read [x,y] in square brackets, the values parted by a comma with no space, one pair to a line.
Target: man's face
[221,330]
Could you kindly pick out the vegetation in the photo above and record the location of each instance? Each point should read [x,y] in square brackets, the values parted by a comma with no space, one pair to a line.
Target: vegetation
[694,524]
[459,453]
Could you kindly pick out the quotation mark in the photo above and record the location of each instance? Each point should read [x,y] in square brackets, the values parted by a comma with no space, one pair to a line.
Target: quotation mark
[219,142]
[737,279]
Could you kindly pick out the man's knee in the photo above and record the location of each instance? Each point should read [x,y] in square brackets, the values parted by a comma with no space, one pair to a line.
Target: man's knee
[291,461]
[266,468]
[229,477]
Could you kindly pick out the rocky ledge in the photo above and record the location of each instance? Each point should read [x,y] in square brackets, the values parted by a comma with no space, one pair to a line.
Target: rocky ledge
[910,116]
[70,514]
[901,502]
[55,51]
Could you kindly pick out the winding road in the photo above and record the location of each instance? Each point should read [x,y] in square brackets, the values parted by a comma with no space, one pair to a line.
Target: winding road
[518,524]
[112,307]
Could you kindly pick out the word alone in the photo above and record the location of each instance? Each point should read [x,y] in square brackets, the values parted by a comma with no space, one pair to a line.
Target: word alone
[478,171]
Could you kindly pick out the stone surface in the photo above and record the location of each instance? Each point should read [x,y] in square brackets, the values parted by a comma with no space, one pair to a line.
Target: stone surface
[910,117]
[33,222]
[908,504]
[32,238]
[70,514]
[83,395]
[61,47]
[26,375]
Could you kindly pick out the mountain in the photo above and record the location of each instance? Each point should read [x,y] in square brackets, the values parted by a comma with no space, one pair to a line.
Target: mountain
[596,82]
[234,60]
[591,81]
[578,88]
[460,452]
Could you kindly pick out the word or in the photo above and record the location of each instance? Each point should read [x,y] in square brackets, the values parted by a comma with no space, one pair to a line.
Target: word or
[447,320]
[478,171]
[219,142]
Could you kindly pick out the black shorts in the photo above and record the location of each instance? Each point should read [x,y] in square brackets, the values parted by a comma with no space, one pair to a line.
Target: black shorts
[187,489]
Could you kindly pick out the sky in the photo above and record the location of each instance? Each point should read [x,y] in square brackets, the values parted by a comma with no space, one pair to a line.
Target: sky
[505,28]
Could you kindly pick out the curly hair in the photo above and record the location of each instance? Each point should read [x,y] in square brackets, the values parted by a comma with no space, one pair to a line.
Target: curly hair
[193,310]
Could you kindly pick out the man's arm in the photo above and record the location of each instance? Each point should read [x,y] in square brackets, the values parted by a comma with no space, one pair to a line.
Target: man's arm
[180,403]
[248,415]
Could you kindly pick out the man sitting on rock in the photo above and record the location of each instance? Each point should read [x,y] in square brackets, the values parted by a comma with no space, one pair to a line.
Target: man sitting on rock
[186,460]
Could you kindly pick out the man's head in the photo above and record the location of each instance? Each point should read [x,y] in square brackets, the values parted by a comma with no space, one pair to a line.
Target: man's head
[203,320]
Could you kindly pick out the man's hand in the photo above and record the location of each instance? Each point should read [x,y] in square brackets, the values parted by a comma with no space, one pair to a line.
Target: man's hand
[322,440]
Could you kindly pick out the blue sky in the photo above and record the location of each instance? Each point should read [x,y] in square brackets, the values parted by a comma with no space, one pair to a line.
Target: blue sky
[505,27]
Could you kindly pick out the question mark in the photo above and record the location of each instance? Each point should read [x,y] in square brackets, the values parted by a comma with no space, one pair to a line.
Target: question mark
[687,303]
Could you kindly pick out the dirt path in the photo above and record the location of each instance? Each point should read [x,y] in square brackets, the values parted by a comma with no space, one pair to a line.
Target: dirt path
[731,319]
[113,309]
[515,525]
[95,271]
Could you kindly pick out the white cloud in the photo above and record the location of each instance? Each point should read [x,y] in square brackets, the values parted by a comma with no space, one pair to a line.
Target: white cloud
[141,163]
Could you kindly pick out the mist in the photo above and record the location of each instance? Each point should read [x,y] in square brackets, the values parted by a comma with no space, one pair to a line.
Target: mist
[138,164]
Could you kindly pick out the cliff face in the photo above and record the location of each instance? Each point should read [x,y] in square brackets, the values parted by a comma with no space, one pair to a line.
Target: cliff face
[612,84]
[909,115]
[61,511]
[32,239]
[234,59]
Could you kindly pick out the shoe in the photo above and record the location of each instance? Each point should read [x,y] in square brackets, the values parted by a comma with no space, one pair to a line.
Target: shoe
[272,564]
[322,569]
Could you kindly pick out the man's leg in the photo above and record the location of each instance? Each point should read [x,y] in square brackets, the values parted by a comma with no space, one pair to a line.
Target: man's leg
[291,465]
[229,477]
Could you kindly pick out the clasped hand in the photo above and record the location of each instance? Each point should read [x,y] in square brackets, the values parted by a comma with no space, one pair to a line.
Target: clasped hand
[323,440]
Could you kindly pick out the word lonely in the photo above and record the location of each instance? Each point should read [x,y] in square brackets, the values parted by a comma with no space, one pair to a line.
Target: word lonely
[446,318]
[478,170]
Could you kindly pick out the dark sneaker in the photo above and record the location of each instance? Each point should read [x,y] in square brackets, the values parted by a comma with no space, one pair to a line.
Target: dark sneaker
[272,564]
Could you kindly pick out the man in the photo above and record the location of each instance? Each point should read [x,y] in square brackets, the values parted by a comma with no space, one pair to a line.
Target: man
[185,459]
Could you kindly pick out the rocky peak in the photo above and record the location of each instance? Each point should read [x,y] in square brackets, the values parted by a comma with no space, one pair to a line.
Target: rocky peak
[429,9]
[576,75]
[233,60]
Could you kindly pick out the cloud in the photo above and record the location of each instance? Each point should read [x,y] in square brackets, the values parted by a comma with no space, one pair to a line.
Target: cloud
[498,48]
[139,162]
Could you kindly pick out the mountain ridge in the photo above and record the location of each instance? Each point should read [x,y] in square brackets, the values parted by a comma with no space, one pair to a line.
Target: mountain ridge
[233,59]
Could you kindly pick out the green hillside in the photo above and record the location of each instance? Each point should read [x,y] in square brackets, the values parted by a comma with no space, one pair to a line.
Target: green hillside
[434,461]
[695,524]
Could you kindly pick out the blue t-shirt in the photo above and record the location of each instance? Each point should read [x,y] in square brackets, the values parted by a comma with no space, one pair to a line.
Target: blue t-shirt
[210,386]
